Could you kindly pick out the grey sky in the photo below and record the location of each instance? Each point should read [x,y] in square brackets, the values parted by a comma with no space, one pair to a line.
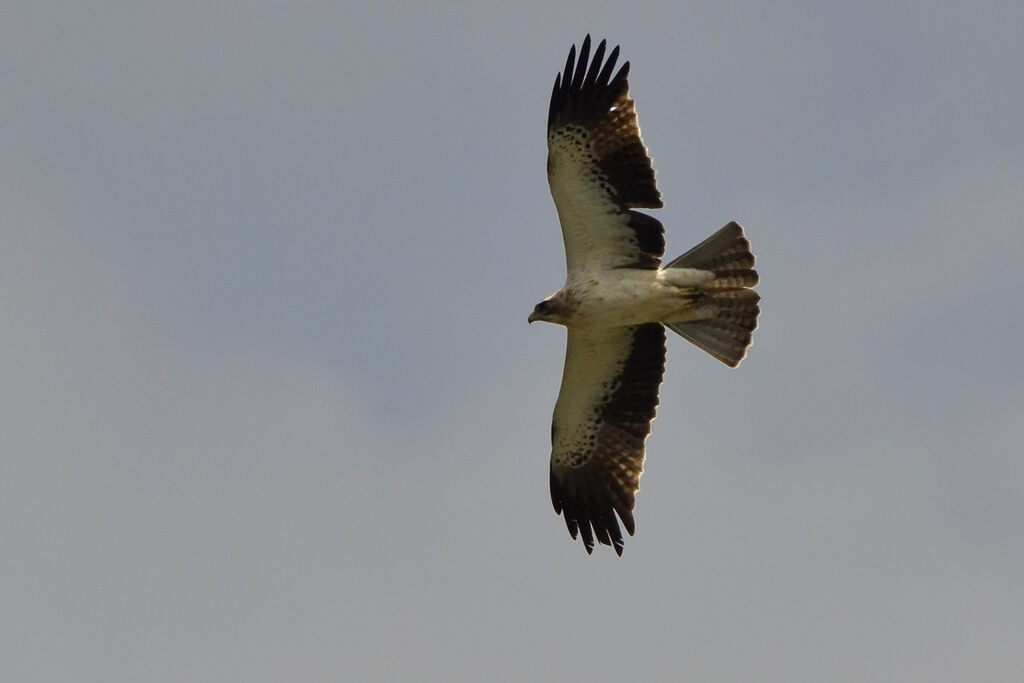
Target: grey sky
[271,409]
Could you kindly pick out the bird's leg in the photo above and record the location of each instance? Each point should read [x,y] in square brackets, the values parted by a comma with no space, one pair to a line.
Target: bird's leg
[690,314]
[686,277]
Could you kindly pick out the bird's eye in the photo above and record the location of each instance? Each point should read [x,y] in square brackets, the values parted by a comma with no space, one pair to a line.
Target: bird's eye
[543,307]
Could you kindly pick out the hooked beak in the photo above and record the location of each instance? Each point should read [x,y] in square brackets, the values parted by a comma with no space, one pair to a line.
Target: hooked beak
[530,319]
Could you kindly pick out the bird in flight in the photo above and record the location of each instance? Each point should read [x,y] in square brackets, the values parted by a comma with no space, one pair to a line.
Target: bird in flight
[618,299]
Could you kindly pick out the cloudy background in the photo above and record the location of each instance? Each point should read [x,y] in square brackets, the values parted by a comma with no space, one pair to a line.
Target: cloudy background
[271,409]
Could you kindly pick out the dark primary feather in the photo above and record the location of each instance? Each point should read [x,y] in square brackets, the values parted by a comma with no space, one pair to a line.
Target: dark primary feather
[599,172]
[600,102]
[571,99]
[590,496]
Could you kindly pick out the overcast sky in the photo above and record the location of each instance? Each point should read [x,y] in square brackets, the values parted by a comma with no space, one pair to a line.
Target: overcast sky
[271,409]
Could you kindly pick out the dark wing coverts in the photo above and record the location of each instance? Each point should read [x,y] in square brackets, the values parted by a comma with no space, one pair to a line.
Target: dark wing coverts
[603,415]
[600,173]
[598,167]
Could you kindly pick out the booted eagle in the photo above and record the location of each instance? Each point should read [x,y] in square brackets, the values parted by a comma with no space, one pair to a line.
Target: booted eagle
[618,298]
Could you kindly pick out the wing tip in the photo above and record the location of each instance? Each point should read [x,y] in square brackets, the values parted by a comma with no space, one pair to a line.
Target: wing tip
[583,74]
[591,528]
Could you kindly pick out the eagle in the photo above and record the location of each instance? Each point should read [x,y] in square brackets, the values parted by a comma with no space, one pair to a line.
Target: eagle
[618,298]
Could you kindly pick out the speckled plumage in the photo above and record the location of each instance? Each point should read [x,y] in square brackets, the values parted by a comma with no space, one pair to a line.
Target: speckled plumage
[616,301]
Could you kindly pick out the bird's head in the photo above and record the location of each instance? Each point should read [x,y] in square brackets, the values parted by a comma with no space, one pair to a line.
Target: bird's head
[551,310]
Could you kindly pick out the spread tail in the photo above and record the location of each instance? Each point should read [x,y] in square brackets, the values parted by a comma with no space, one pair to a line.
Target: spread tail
[727,298]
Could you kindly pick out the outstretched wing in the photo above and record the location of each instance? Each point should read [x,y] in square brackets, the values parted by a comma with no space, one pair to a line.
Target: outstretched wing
[603,416]
[598,167]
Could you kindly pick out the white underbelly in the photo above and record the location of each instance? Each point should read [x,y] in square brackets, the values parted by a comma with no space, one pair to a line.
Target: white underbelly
[627,297]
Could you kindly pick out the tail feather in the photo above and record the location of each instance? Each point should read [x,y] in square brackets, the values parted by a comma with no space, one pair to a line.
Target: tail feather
[725,334]
[727,254]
